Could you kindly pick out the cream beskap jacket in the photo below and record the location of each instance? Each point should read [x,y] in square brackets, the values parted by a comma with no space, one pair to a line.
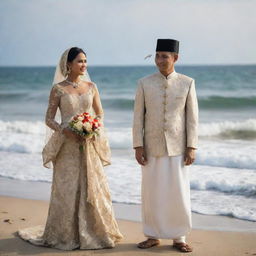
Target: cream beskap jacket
[165,114]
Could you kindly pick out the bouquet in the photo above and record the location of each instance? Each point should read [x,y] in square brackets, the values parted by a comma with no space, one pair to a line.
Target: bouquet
[85,125]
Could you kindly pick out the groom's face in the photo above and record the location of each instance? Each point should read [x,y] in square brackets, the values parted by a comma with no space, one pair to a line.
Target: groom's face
[165,61]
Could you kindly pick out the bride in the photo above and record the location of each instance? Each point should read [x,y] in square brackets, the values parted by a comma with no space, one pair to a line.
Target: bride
[80,212]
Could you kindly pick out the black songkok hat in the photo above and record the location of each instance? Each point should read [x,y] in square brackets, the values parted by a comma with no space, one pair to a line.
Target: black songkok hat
[167,45]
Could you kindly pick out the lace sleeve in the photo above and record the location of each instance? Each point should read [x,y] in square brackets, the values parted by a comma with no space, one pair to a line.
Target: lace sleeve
[54,100]
[97,103]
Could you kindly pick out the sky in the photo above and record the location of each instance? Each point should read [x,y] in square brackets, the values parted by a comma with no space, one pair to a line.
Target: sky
[123,32]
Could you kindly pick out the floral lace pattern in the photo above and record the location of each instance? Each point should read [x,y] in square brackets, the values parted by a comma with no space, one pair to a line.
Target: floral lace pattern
[80,213]
[165,114]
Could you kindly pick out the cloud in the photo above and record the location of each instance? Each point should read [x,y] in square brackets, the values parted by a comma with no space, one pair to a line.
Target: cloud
[123,32]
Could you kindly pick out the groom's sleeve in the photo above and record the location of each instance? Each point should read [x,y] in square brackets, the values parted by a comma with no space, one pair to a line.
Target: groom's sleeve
[138,117]
[192,117]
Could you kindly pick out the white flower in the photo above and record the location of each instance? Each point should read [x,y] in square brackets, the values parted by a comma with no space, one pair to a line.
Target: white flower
[87,127]
[79,126]
[80,118]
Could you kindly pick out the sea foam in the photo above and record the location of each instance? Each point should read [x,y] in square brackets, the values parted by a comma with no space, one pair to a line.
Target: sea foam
[29,137]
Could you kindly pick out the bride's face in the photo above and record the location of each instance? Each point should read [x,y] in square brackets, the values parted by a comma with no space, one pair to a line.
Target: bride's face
[78,65]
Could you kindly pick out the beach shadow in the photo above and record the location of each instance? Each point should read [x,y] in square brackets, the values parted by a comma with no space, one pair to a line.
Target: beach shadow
[119,249]
[20,247]
[15,245]
[132,249]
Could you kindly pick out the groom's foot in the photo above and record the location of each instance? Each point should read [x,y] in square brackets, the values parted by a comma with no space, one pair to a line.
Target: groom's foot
[150,242]
[183,247]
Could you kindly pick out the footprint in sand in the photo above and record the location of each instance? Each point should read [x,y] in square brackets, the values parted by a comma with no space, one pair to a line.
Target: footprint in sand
[8,221]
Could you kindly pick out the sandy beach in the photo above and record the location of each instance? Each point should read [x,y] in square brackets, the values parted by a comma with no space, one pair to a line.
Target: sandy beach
[23,213]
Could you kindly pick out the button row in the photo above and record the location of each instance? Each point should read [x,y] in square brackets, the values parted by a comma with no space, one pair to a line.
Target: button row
[165,104]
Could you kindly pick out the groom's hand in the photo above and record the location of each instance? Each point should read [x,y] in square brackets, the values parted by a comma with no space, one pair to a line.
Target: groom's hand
[140,156]
[190,156]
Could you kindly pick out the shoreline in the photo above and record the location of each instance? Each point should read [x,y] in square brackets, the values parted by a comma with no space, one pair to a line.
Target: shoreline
[24,213]
[40,191]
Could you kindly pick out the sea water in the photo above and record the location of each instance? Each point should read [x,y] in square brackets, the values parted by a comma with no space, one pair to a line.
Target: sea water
[223,178]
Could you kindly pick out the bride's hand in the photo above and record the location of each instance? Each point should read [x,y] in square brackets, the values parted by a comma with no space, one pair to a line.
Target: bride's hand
[70,134]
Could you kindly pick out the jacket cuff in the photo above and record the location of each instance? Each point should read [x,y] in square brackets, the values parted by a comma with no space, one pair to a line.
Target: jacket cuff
[192,144]
[137,145]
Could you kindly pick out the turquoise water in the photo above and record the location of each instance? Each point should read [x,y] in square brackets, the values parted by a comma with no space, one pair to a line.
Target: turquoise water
[219,88]
[223,179]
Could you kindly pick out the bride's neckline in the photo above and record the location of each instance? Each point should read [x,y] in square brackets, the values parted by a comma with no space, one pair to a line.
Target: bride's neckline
[76,94]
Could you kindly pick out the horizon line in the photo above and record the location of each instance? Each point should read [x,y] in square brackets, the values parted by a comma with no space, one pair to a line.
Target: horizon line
[129,65]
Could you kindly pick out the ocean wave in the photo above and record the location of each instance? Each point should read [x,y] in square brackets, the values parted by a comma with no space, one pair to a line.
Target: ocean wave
[231,195]
[216,155]
[223,191]
[226,180]
[229,130]
[31,96]
[125,101]
[211,102]
[28,137]
[224,153]
[218,102]
[118,103]
[226,130]
[230,181]
[25,127]
[248,190]
[216,203]
[16,95]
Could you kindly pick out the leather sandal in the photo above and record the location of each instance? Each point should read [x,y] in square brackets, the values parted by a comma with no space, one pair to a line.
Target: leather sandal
[183,247]
[150,242]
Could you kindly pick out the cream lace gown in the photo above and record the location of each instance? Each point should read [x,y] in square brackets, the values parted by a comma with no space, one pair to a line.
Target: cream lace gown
[80,212]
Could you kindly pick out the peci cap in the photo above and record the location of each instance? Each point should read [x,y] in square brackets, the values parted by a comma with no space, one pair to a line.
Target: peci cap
[167,45]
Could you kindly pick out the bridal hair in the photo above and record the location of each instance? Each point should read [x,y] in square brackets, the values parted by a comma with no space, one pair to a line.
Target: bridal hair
[62,69]
[73,52]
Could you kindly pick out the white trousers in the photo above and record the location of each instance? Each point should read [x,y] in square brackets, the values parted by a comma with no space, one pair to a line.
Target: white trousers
[166,210]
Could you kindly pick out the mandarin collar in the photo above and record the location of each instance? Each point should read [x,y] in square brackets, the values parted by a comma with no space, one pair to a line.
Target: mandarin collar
[170,76]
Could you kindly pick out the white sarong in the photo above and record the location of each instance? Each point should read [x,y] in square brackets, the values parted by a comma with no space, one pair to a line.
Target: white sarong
[166,210]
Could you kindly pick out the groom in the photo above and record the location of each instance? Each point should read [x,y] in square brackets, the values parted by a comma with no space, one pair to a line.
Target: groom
[165,138]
